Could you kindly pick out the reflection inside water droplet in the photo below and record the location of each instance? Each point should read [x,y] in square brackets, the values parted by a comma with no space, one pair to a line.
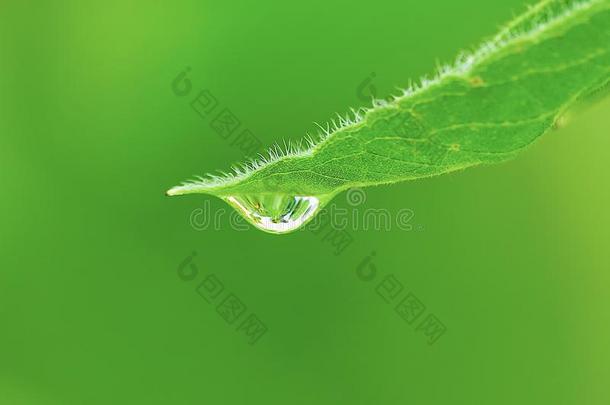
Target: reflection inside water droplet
[275,213]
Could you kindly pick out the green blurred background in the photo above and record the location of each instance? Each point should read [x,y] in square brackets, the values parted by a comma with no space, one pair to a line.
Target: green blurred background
[513,259]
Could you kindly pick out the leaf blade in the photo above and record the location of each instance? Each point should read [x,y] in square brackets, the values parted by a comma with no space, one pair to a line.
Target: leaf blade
[485,109]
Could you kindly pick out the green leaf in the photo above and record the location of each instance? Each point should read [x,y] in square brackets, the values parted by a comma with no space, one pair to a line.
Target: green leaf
[485,108]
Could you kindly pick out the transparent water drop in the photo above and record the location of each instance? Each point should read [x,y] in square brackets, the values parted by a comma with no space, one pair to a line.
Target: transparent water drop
[276,213]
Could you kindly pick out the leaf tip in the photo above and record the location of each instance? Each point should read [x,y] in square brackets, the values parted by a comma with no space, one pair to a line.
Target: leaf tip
[171,192]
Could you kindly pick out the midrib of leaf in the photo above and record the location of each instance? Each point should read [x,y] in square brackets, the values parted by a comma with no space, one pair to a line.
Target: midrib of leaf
[484,109]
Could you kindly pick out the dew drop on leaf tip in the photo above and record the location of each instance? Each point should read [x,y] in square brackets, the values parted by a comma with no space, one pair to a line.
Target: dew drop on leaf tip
[275,213]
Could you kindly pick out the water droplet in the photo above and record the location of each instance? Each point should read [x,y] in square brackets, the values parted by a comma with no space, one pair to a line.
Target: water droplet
[276,213]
